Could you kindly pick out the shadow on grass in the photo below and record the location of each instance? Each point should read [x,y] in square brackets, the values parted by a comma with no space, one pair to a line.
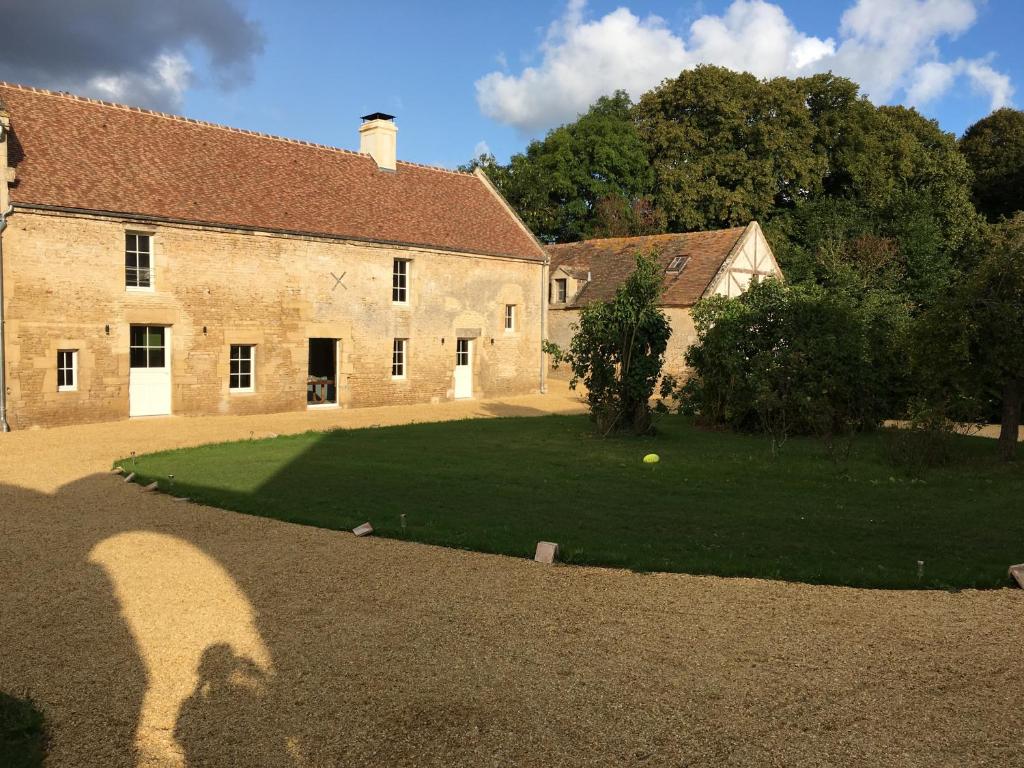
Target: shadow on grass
[718,503]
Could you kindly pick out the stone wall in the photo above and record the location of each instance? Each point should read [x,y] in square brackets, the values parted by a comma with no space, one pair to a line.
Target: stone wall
[560,322]
[65,289]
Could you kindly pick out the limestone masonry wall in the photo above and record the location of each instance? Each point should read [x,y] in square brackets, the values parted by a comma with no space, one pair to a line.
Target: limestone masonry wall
[65,286]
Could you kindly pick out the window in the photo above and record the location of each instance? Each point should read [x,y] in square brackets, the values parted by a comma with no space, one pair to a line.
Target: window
[677,264]
[241,375]
[510,317]
[398,358]
[138,261]
[400,282]
[147,346]
[462,352]
[560,290]
[67,370]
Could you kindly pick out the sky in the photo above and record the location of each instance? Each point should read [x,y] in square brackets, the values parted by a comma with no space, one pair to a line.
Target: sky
[466,77]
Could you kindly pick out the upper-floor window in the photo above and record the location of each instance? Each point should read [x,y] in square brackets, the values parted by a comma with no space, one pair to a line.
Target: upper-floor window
[400,281]
[510,317]
[240,376]
[138,260]
[67,370]
[561,284]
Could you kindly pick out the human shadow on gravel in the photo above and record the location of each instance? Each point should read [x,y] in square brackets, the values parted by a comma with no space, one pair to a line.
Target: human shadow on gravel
[111,603]
[229,720]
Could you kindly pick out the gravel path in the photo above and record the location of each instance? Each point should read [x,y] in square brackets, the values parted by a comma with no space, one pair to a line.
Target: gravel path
[159,633]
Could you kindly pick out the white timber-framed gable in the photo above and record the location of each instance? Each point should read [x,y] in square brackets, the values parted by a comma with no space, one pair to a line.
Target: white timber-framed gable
[750,259]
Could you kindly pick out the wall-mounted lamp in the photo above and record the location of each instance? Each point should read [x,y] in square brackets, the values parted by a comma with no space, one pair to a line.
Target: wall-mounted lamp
[442,341]
[106,329]
[492,339]
[204,330]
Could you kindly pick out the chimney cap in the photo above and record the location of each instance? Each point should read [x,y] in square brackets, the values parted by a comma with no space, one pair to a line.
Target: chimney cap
[376,116]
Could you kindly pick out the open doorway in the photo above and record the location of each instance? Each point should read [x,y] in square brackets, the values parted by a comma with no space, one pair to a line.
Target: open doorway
[322,379]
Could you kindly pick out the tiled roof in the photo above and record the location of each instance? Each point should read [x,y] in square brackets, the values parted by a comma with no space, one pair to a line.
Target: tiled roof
[609,261]
[71,152]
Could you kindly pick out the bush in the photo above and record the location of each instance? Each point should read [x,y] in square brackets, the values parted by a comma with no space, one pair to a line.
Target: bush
[618,351]
[787,360]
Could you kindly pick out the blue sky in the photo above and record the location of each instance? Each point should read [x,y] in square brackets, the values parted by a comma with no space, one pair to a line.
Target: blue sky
[459,74]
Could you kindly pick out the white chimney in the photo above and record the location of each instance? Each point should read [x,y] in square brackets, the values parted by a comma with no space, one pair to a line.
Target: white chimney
[378,139]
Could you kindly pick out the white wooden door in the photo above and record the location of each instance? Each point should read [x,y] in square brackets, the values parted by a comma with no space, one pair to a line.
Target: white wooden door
[464,368]
[149,381]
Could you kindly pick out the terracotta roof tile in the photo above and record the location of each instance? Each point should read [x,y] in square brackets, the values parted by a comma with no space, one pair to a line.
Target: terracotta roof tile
[609,261]
[72,152]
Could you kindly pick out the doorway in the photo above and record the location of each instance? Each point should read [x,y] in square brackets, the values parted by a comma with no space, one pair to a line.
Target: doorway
[149,378]
[322,376]
[463,368]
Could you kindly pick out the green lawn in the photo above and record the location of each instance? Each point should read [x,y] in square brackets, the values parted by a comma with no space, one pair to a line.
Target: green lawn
[717,503]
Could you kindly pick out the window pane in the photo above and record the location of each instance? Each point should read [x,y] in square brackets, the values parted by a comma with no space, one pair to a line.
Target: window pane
[130,242]
[138,357]
[142,244]
[155,336]
[156,357]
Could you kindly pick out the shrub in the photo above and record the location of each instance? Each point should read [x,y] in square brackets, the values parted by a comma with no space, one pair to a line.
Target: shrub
[618,351]
[786,360]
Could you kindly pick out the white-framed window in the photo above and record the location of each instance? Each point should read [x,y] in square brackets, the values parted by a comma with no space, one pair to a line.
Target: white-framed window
[510,317]
[148,346]
[67,370]
[242,373]
[400,282]
[138,261]
[561,285]
[399,358]
[462,352]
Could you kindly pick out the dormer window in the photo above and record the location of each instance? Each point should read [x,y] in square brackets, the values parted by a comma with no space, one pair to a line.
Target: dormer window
[677,264]
[561,288]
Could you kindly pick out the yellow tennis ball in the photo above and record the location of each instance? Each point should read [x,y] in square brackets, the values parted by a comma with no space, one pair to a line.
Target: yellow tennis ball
[651,458]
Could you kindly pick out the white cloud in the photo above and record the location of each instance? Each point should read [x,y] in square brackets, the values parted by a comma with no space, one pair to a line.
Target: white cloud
[891,47]
[481,149]
[166,81]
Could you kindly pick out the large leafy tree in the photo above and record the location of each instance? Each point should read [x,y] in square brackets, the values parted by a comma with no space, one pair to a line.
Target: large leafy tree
[726,147]
[971,346]
[588,178]
[994,148]
[817,163]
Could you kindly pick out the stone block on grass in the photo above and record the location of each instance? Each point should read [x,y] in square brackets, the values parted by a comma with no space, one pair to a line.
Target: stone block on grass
[151,487]
[363,530]
[1017,574]
[547,552]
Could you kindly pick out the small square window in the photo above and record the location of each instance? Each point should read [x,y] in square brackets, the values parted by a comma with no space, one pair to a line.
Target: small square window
[148,348]
[138,260]
[400,281]
[240,378]
[67,370]
[398,358]
[677,264]
[510,317]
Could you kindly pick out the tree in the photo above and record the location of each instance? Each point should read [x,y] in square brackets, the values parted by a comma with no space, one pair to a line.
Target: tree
[973,343]
[618,351]
[994,148]
[590,177]
[726,147]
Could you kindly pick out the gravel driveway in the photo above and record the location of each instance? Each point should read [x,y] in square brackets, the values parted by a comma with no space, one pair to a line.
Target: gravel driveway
[153,632]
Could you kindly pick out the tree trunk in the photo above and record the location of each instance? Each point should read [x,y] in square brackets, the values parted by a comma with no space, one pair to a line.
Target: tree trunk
[1013,391]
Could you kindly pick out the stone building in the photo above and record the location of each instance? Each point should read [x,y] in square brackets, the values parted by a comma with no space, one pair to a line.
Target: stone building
[155,265]
[695,265]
